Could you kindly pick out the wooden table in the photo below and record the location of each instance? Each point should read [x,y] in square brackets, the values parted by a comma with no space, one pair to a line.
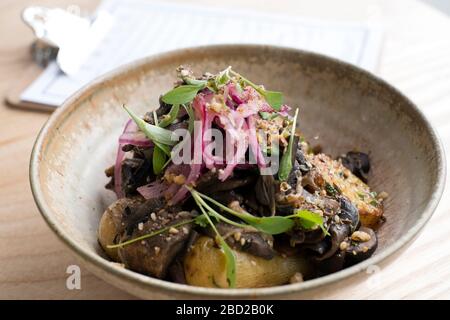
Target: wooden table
[415,58]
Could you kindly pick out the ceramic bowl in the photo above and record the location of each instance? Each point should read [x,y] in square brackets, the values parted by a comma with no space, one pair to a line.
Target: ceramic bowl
[341,108]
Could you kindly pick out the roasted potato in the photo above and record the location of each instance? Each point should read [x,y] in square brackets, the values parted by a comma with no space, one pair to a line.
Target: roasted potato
[205,266]
[111,222]
[328,173]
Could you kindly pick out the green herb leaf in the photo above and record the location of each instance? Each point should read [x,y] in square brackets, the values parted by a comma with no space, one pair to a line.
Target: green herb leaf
[265,115]
[201,221]
[230,259]
[309,220]
[274,98]
[331,191]
[286,159]
[268,115]
[159,160]
[222,78]
[215,214]
[170,117]
[159,136]
[271,225]
[195,82]
[182,94]
[230,262]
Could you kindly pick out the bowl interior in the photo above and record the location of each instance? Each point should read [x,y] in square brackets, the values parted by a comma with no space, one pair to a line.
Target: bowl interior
[341,108]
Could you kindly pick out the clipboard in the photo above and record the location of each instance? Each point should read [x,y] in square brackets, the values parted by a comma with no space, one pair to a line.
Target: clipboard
[143,28]
[13,94]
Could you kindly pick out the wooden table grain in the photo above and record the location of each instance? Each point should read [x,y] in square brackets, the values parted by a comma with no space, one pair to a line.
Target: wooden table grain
[415,58]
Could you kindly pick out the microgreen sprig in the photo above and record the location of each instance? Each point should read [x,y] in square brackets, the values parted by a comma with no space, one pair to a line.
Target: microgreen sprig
[152,234]
[309,220]
[286,159]
[159,136]
[274,98]
[169,118]
[270,225]
[230,259]
[183,94]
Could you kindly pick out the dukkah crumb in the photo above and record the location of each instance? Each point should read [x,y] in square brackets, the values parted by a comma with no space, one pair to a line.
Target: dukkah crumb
[360,236]
[296,278]
[343,245]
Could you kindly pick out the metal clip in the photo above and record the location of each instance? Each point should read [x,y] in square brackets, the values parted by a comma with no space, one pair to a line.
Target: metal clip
[71,36]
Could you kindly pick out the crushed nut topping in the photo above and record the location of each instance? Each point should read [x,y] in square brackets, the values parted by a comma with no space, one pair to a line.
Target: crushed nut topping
[296,278]
[360,236]
[343,245]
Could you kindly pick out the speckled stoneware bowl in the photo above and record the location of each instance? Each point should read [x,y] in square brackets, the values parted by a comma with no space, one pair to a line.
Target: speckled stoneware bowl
[342,107]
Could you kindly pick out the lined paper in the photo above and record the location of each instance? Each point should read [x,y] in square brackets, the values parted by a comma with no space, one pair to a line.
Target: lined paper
[143,28]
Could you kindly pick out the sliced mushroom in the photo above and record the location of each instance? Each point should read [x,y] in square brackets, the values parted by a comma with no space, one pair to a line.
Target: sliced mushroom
[111,227]
[317,249]
[349,213]
[358,251]
[265,192]
[210,184]
[176,269]
[332,264]
[153,256]
[304,165]
[135,172]
[141,213]
[358,163]
[339,232]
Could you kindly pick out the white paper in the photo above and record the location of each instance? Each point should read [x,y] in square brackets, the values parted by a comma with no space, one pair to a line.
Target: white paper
[143,28]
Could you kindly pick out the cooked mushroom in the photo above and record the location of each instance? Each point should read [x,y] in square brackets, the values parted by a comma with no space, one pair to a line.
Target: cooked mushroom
[338,234]
[349,213]
[111,223]
[265,192]
[135,172]
[209,183]
[153,255]
[361,248]
[141,213]
[176,269]
[358,163]
[332,264]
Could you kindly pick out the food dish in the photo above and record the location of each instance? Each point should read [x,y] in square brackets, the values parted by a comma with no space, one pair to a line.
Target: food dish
[242,200]
[355,108]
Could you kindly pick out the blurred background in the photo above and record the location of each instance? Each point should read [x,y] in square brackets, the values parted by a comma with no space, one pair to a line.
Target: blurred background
[406,42]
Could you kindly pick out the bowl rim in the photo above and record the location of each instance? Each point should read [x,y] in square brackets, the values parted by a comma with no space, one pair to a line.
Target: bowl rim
[148,282]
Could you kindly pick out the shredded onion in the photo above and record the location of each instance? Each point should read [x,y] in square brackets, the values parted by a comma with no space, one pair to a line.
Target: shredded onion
[199,106]
[253,142]
[136,139]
